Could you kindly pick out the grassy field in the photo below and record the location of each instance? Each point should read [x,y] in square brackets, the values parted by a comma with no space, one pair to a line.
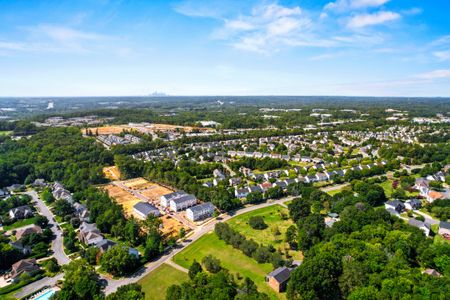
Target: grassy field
[232,259]
[6,132]
[155,284]
[388,189]
[273,217]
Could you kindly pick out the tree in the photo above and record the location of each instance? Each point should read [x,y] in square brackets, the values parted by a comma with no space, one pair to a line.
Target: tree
[194,269]
[63,208]
[90,255]
[311,230]
[152,245]
[132,291]
[118,261]
[47,196]
[51,265]
[299,208]
[211,264]
[81,282]
[316,278]
[291,237]
[257,222]
[255,197]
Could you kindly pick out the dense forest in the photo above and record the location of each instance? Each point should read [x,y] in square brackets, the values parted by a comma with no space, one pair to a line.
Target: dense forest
[368,254]
[56,154]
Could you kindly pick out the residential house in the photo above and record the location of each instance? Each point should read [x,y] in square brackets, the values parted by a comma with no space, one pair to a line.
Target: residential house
[235,181]
[23,232]
[434,195]
[444,229]
[24,266]
[182,202]
[396,205]
[241,193]
[265,186]
[143,209]
[422,185]
[20,212]
[25,250]
[39,183]
[421,225]
[200,212]
[3,194]
[255,189]
[104,245]
[431,272]
[208,184]
[81,211]
[413,204]
[321,176]
[279,278]
[281,184]
[89,234]
[15,187]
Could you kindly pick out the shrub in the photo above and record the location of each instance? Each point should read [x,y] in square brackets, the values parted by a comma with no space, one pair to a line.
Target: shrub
[257,223]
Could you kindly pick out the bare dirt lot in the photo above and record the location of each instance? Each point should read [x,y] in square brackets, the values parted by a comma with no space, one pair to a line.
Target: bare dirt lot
[122,197]
[171,226]
[106,129]
[137,184]
[112,173]
[145,128]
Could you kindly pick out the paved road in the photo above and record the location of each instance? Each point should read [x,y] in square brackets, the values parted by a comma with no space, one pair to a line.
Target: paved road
[37,285]
[428,219]
[57,243]
[113,284]
[334,187]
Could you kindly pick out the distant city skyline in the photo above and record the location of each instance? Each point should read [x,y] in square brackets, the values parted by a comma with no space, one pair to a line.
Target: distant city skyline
[228,47]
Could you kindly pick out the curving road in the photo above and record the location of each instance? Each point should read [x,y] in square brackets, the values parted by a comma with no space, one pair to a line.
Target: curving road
[57,243]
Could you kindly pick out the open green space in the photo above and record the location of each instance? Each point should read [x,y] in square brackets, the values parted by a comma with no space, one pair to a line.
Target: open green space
[156,283]
[232,259]
[20,223]
[276,218]
[388,189]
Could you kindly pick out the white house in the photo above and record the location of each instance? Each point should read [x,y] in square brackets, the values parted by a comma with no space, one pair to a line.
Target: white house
[199,212]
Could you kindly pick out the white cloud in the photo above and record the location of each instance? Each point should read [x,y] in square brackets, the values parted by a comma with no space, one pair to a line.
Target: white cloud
[442,55]
[363,20]
[347,5]
[436,74]
[12,46]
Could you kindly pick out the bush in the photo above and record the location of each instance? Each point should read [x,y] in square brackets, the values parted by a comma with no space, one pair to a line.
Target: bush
[211,264]
[257,223]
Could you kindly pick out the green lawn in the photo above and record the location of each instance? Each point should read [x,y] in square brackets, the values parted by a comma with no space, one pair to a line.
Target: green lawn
[388,190]
[334,192]
[232,259]
[155,284]
[272,217]
[20,223]
[6,132]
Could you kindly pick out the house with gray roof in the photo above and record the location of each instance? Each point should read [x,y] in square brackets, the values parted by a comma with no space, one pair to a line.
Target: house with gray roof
[278,278]
[200,212]
[143,209]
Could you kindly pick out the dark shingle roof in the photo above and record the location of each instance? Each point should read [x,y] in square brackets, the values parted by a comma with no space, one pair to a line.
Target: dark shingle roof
[280,274]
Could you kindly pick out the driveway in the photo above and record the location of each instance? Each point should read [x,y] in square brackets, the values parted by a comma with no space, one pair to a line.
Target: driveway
[37,285]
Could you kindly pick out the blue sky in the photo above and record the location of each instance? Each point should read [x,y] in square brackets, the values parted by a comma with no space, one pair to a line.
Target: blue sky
[194,47]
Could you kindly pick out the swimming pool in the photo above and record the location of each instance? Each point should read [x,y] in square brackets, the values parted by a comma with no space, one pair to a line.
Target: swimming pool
[46,295]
